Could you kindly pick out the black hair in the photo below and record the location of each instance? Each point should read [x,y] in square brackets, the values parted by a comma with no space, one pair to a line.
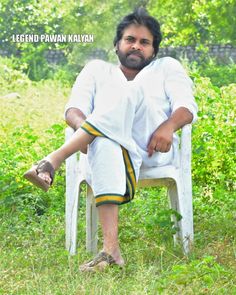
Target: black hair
[140,17]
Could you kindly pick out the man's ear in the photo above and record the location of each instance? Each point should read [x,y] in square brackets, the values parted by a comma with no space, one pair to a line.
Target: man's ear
[116,47]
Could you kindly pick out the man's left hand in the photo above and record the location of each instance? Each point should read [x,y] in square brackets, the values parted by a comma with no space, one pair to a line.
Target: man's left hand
[161,139]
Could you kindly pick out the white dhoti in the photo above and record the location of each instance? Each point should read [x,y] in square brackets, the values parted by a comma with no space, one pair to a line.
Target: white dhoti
[112,118]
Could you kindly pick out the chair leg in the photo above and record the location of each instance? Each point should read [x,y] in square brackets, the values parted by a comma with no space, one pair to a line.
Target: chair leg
[173,201]
[186,210]
[182,203]
[91,222]
[72,203]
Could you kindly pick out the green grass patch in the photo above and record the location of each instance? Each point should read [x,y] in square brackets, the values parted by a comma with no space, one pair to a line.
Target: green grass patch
[33,259]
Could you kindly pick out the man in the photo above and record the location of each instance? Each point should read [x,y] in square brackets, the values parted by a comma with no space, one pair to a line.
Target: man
[168,94]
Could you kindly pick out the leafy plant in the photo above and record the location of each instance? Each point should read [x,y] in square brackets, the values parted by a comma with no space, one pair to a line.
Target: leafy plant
[214,135]
[200,22]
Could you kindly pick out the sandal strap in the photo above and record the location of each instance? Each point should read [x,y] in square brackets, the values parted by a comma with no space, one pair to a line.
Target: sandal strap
[101,257]
[45,166]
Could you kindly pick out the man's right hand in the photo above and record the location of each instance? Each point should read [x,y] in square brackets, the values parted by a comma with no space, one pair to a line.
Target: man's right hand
[161,139]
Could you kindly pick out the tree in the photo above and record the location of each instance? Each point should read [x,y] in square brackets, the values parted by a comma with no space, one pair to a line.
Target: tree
[196,22]
[30,17]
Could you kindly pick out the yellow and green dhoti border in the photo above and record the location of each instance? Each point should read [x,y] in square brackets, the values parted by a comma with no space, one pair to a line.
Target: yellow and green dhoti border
[110,198]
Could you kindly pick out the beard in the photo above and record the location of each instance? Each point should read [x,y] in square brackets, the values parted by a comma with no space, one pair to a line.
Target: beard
[134,59]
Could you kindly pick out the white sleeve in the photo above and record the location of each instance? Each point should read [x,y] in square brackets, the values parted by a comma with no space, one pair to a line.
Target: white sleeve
[179,87]
[83,91]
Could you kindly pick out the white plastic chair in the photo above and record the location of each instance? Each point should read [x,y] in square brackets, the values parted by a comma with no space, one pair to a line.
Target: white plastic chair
[177,179]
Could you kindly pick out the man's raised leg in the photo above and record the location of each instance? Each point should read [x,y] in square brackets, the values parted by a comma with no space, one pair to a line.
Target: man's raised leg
[42,174]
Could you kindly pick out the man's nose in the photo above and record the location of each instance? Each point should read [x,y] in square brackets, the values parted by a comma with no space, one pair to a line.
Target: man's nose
[136,46]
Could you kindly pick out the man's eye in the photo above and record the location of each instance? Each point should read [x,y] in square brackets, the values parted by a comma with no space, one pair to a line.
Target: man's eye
[130,39]
[145,42]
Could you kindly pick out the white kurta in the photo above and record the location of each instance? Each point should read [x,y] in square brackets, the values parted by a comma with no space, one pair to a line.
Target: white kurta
[144,103]
[116,105]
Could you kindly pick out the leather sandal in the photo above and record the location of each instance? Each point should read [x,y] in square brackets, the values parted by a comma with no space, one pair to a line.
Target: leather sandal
[41,167]
[98,263]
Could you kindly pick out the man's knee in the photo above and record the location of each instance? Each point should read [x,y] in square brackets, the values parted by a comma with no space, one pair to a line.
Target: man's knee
[107,166]
[103,148]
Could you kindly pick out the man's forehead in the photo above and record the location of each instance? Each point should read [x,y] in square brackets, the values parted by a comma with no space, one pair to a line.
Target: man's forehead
[138,31]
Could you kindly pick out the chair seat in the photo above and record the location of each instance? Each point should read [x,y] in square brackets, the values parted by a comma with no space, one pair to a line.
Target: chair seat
[168,171]
[158,176]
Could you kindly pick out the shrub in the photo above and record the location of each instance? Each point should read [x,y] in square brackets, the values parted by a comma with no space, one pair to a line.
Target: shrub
[32,126]
[10,78]
[219,74]
[214,135]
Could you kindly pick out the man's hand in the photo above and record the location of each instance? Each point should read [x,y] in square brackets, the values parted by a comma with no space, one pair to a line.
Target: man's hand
[161,139]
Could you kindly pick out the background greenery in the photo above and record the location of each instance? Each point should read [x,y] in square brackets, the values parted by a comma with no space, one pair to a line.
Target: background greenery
[33,259]
[185,22]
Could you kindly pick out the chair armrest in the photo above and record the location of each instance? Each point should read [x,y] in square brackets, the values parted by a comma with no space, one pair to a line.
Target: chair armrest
[186,149]
[187,130]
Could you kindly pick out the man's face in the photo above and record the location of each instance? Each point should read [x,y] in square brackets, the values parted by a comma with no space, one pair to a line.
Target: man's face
[135,49]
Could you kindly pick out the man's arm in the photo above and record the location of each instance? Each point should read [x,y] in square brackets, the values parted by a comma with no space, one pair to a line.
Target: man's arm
[80,103]
[74,118]
[162,138]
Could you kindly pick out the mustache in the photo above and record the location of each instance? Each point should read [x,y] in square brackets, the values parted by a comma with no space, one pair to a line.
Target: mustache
[135,52]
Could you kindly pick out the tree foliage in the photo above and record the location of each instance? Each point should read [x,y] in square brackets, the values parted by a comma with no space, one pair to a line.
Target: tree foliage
[30,17]
[196,22]
[184,22]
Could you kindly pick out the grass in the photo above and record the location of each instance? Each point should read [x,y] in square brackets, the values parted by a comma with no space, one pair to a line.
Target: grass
[33,259]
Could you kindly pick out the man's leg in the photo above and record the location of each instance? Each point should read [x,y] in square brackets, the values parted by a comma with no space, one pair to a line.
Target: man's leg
[108,216]
[42,174]
[108,177]
[78,142]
